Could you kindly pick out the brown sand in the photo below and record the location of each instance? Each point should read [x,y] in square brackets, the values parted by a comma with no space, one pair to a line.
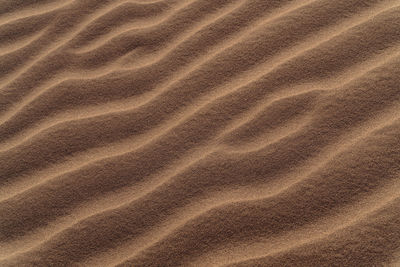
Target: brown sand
[200,132]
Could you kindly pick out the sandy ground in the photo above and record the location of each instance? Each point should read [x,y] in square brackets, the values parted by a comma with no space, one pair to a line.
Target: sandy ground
[200,133]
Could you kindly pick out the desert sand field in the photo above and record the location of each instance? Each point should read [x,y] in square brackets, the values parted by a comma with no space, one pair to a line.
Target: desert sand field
[200,133]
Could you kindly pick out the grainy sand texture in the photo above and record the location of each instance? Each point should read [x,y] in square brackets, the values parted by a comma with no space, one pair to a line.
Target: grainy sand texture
[200,133]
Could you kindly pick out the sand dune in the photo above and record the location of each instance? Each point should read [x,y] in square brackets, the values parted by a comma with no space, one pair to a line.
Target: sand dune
[200,133]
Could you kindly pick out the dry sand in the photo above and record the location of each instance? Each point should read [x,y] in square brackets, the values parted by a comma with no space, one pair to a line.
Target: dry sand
[200,133]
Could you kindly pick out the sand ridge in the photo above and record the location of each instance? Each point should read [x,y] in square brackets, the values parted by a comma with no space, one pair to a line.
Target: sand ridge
[199,133]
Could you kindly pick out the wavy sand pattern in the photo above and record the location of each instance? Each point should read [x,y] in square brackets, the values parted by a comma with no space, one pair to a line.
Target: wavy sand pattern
[200,133]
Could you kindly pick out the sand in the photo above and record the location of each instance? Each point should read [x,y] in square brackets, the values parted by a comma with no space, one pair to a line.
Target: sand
[200,133]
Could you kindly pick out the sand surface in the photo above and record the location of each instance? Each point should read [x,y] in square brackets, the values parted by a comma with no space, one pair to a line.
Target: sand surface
[200,133]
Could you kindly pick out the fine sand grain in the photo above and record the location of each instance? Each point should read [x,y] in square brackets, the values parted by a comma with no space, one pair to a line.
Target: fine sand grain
[200,133]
